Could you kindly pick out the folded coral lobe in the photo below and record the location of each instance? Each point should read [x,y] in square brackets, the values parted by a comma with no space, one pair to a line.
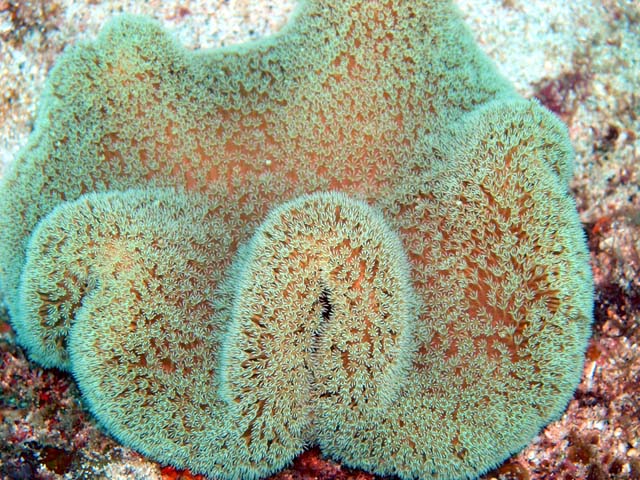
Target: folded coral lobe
[123,289]
[322,318]
[337,100]
[500,262]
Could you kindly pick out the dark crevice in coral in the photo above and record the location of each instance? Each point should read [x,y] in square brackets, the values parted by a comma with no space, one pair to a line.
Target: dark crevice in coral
[325,303]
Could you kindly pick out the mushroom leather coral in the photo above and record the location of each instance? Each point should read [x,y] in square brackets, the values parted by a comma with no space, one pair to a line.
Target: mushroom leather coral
[351,234]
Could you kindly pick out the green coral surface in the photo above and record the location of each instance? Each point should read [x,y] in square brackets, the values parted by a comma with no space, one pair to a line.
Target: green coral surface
[351,234]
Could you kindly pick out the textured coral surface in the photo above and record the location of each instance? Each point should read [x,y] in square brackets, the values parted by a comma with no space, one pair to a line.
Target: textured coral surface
[49,435]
